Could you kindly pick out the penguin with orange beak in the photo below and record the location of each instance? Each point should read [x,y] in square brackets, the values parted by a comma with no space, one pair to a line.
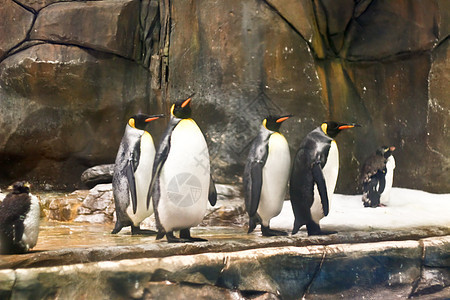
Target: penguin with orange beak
[133,174]
[182,184]
[266,175]
[314,175]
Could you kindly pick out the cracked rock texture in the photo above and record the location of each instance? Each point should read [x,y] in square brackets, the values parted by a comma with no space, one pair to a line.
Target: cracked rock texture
[72,72]
[368,270]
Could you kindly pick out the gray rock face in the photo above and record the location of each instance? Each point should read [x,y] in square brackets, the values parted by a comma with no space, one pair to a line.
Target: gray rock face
[379,63]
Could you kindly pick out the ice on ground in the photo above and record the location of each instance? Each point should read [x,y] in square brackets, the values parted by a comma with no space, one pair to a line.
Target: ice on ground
[407,209]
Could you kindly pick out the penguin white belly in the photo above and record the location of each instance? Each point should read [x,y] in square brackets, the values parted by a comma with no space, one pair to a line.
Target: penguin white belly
[184,179]
[330,173]
[31,224]
[390,166]
[142,178]
[275,178]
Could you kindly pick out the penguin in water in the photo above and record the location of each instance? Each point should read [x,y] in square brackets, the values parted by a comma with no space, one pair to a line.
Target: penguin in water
[314,175]
[182,183]
[133,173]
[266,175]
[19,220]
[377,175]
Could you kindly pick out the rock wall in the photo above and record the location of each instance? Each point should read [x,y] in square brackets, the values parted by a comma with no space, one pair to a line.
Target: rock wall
[72,72]
[368,270]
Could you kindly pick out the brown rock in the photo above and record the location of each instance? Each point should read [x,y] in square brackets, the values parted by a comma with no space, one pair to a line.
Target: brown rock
[14,25]
[380,31]
[39,4]
[52,126]
[108,26]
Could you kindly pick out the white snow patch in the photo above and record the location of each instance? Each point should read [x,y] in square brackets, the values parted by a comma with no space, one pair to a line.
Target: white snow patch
[407,209]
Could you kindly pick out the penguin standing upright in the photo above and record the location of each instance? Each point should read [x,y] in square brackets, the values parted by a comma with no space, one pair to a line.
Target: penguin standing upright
[266,175]
[19,220]
[133,174]
[182,182]
[314,175]
[377,175]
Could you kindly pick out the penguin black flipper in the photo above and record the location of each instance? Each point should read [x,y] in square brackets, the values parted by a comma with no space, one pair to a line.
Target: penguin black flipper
[253,177]
[160,158]
[212,194]
[321,186]
[19,229]
[382,180]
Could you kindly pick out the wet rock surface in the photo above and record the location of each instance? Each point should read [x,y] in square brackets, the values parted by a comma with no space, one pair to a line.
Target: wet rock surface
[236,264]
[80,259]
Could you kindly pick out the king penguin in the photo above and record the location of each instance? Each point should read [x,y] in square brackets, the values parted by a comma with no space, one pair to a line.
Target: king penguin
[266,175]
[19,220]
[377,175]
[182,183]
[314,175]
[133,173]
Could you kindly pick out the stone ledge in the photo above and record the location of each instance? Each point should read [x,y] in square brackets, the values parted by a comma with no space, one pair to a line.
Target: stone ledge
[288,272]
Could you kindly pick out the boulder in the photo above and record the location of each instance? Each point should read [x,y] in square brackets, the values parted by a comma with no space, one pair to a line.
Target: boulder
[98,206]
[97,175]
[71,23]
[64,123]
[15,25]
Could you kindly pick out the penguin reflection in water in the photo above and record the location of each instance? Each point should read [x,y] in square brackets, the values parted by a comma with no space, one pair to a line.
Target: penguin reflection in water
[133,174]
[182,182]
[19,220]
[314,175]
[266,175]
[377,175]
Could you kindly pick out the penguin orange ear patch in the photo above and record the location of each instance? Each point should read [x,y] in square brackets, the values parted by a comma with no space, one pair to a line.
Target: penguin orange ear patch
[131,123]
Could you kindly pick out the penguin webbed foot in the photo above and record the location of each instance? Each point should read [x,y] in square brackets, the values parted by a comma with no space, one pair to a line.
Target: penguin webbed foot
[186,234]
[137,230]
[172,239]
[314,229]
[266,231]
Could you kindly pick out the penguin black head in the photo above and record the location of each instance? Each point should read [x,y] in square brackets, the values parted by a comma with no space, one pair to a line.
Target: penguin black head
[139,121]
[332,128]
[182,108]
[385,151]
[273,123]
[21,187]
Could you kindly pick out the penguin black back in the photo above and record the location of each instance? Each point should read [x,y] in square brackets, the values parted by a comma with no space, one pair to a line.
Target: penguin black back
[314,175]
[373,176]
[13,210]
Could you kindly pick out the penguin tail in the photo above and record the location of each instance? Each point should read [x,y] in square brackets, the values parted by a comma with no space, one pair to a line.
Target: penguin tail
[117,227]
[297,226]
[160,235]
[251,225]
